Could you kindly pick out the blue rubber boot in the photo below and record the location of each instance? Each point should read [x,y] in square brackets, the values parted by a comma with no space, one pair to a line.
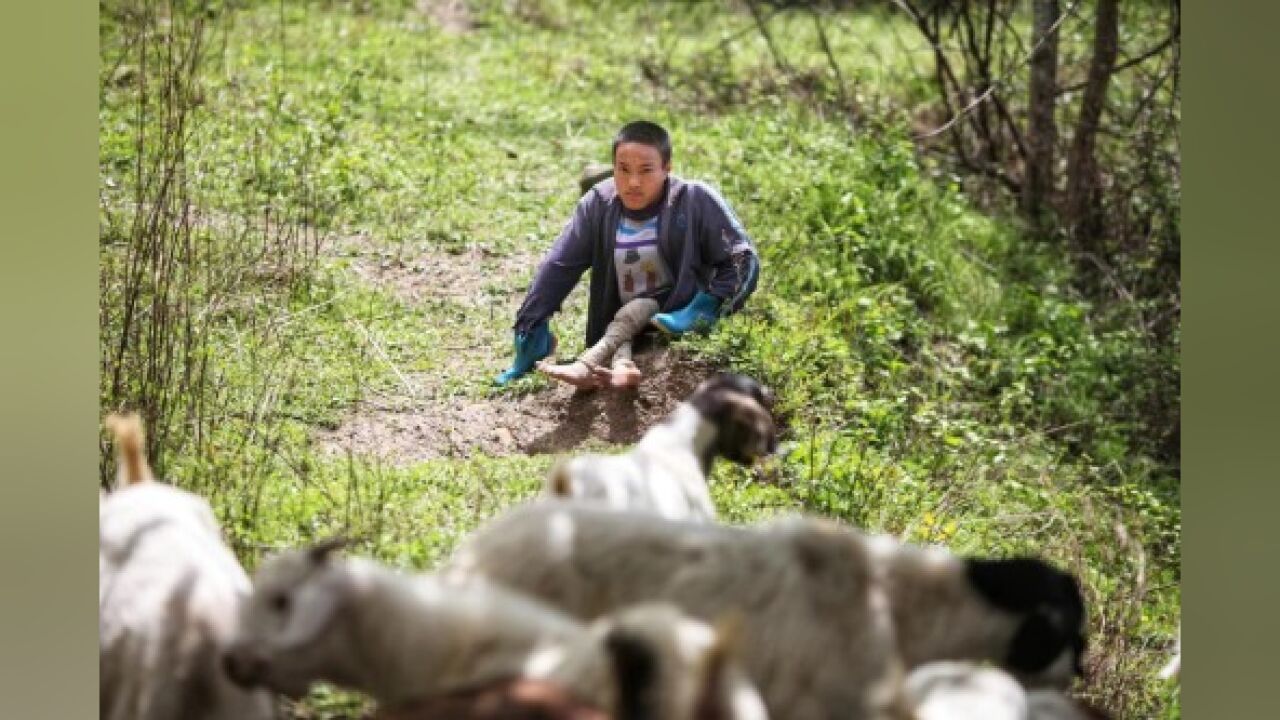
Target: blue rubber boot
[530,348]
[697,315]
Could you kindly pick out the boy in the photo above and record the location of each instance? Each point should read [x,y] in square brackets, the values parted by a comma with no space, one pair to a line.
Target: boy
[645,234]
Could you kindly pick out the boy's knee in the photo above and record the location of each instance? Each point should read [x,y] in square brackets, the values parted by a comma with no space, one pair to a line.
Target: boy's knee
[636,313]
[750,270]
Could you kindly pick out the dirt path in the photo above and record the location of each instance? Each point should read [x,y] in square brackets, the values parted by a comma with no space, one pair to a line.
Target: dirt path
[433,422]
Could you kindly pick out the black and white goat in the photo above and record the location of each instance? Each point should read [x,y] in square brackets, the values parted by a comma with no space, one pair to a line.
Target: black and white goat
[169,596]
[832,618]
[426,647]
[666,472]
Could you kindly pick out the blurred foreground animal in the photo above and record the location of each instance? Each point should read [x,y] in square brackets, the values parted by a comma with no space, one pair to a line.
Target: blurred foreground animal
[169,594]
[424,648]
[949,690]
[666,472]
[832,617]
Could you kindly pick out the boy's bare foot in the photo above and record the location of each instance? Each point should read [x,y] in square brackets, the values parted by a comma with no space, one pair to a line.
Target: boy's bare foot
[624,374]
[575,373]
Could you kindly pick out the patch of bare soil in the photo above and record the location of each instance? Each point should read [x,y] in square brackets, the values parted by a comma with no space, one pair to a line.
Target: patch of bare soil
[453,16]
[468,276]
[549,421]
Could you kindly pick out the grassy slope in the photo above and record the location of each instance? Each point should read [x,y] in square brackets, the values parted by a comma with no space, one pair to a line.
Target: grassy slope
[937,387]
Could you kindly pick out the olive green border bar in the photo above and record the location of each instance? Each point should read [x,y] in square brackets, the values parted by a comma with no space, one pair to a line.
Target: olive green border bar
[48,358]
[48,288]
[1231,357]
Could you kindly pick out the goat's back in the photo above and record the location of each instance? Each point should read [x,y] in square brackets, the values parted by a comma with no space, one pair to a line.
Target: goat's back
[814,636]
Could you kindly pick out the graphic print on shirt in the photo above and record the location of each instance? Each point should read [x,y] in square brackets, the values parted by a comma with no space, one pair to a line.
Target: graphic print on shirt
[641,270]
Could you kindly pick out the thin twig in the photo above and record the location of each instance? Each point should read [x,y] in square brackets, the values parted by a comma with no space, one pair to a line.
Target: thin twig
[831,59]
[382,354]
[725,41]
[768,38]
[1125,65]
[978,100]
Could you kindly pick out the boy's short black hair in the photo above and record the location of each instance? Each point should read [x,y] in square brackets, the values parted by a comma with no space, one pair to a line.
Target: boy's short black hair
[648,133]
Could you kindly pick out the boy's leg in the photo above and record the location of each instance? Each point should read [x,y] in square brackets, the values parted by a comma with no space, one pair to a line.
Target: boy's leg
[623,373]
[623,353]
[629,321]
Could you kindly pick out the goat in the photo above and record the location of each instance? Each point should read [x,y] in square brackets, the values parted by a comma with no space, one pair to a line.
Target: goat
[666,472]
[169,593]
[832,618]
[949,690]
[426,647]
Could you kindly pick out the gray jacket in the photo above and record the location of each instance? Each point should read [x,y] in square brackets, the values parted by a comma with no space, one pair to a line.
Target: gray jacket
[699,237]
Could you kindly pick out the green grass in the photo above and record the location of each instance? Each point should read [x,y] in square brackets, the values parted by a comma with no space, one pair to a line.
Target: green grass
[936,375]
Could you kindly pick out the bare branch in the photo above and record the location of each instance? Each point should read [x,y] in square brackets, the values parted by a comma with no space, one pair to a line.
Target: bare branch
[831,60]
[1003,79]
[1159,48]
[725,41]
[761,24]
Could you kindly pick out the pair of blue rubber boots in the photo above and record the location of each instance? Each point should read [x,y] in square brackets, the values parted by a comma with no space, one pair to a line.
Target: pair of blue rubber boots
[539,342]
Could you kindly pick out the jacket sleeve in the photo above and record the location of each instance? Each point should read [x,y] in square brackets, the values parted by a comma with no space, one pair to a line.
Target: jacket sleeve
[562,267]
[724,244]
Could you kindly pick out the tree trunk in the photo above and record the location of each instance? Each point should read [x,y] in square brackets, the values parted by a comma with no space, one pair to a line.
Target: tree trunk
[1084,191]
[1042,133]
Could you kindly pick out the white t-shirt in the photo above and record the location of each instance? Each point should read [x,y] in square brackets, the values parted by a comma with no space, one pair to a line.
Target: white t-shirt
[641,270]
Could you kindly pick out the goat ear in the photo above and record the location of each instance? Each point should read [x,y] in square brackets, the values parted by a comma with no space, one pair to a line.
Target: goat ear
[558,480]
[319,553]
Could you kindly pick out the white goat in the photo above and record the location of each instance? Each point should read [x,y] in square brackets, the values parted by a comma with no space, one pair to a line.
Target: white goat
[951,690]
[666,472]
[831,616]
[415,641]
[169,594]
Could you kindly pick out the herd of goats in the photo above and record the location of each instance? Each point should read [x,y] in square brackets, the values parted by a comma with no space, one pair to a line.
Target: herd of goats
[615,595]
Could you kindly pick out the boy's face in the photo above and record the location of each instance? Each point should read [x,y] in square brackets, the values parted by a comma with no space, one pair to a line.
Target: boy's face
[639,173]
